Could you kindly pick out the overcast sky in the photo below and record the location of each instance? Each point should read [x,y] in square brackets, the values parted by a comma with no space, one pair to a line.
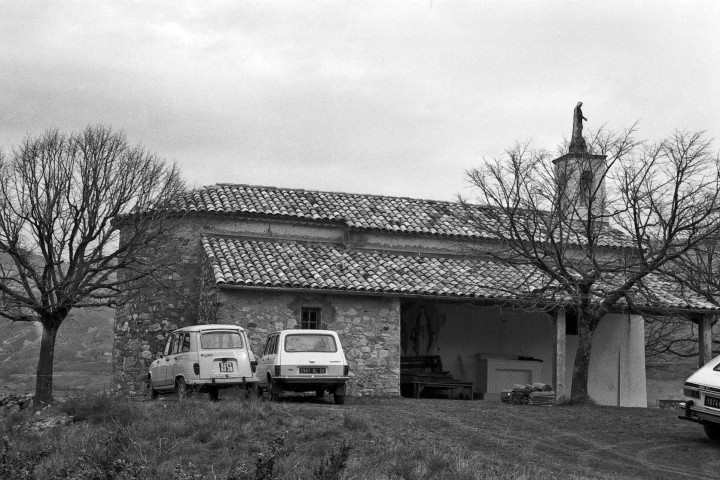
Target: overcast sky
[393,98]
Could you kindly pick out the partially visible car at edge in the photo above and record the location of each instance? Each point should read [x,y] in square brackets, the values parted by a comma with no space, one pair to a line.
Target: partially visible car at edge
[204,358]
[702,402]
[302,361]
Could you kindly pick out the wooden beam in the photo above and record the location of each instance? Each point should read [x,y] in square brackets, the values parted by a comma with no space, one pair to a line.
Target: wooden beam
[704,339]
[559,355]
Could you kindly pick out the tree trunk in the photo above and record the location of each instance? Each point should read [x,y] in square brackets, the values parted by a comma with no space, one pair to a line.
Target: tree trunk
[581,369]
[44,381]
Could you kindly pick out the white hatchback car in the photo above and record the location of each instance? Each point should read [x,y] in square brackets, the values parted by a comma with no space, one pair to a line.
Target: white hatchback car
[302,361]
[206,358]
[702,405]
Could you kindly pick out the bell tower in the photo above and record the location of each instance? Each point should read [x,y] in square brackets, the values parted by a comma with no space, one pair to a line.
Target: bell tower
[580,176]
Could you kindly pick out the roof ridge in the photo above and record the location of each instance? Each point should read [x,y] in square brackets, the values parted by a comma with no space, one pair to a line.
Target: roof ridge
[375,195]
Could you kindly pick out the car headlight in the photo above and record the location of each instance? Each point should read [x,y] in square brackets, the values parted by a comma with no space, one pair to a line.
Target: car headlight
[691,390]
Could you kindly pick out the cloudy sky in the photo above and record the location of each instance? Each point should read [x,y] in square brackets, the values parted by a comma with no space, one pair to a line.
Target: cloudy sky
[394,98]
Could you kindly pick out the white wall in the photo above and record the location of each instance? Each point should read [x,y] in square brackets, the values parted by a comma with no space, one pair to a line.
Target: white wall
[618,358]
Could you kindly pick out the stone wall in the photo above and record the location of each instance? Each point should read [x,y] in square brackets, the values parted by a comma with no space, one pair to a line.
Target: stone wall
[142,324]
[369,329]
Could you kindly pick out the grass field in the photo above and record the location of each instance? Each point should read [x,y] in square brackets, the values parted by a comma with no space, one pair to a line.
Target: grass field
[399,438]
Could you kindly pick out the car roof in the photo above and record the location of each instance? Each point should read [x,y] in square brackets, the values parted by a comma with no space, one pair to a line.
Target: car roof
[209,326]
[305,331]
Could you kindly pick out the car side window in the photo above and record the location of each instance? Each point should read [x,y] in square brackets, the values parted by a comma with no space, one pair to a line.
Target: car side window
[266,350]
[169,345]
[178,342]
[186,343]
[271,348]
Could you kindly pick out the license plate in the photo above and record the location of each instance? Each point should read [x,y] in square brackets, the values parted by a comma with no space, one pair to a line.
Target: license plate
[312,370]
[712,402]
[226,367]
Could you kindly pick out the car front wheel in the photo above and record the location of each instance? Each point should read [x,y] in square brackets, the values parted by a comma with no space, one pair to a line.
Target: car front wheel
[214,394]
[181,388]
[712,430]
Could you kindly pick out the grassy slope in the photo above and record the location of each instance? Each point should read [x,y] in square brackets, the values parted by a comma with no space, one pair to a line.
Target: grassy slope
[82,353]
[389,438]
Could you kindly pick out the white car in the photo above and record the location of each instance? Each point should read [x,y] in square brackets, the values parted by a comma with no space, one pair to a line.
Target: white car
[702,404]
[204,358]
[302,361]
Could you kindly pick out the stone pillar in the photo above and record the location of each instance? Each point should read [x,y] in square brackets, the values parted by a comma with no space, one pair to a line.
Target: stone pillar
[704,339]
[559,355]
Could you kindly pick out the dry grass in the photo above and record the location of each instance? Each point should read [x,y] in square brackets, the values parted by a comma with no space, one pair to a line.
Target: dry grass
[366,439]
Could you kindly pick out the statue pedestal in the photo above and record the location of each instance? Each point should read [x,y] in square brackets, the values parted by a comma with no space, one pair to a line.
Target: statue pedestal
[578,145]
[581,182]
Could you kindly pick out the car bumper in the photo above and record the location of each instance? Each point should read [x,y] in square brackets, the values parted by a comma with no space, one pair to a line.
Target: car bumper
[698,413]
[296,380]
[222,381]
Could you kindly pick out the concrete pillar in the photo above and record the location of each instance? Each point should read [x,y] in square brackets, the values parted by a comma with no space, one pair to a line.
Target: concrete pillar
[559,355]
[704,339]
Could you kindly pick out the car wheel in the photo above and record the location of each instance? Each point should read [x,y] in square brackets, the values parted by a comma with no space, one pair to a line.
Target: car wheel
[214,394]
[252,391]
[274,392]
[152,393]
[319,393]
[712,430]
[339,399]
[181,388]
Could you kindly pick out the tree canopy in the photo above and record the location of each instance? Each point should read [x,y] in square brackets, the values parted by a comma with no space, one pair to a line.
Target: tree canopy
[62,199]
[598,228]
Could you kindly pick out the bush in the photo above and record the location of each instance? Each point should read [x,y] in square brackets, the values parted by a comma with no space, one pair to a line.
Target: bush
[333,464]
[265,463]
[101,408]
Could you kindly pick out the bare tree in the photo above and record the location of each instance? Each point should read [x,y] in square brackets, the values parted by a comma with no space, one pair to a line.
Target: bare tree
[698,272]
[62,199]
[593,232]
[668,337]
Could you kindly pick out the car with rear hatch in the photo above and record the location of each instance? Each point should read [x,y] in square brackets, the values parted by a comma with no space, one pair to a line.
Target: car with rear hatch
[304,361]
[702,398]
[204,358]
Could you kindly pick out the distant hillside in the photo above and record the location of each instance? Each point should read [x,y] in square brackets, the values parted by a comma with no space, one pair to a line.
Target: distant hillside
[83,353]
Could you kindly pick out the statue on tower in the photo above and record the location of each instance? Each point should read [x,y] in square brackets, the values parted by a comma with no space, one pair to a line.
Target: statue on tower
[577,142]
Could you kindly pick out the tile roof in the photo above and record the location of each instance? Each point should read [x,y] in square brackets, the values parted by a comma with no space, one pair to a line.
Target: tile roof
[395,214]
[323,266]
[357,211]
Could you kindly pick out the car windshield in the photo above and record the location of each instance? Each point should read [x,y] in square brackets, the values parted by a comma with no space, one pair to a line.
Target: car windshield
[310,343]
[221,340]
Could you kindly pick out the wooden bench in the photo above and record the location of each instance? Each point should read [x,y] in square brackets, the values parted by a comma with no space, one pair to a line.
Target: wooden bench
[425,373]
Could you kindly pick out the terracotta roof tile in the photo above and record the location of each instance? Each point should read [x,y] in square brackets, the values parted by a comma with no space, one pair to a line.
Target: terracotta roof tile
[364,212]
[325,266]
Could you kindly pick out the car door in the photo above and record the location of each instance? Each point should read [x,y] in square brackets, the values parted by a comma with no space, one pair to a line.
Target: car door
[267,361]
[183,358]
[160,372]
[174,358]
